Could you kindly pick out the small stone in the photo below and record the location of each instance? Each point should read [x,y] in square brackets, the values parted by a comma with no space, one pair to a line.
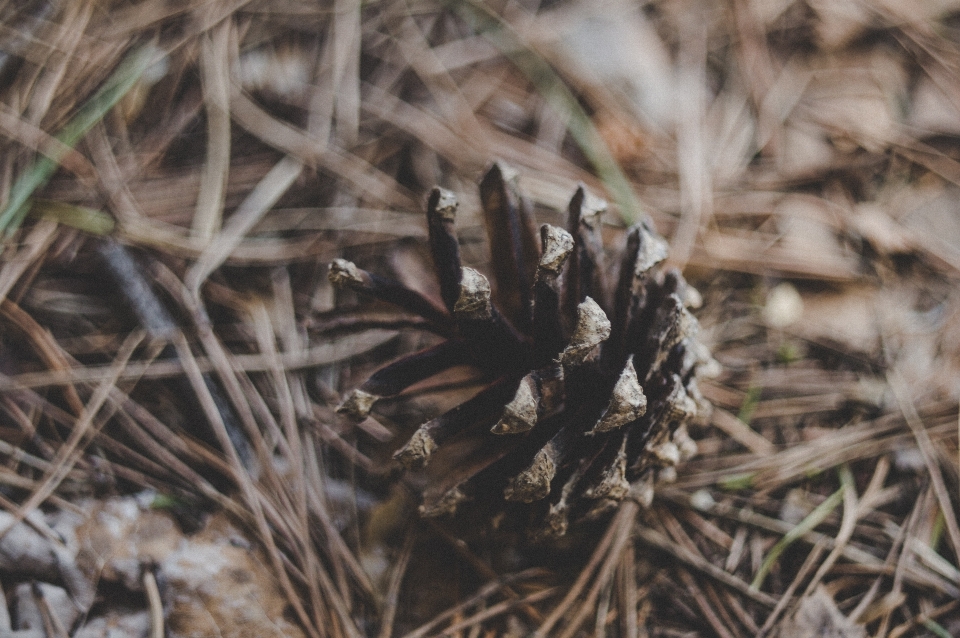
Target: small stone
[784,307]
[702,500]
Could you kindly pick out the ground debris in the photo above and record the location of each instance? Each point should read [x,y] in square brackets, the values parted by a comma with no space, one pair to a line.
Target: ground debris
[817,616]
[801,158]
[213,582]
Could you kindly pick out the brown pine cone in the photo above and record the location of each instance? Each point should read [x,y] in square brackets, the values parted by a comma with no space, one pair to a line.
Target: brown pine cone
[593,378]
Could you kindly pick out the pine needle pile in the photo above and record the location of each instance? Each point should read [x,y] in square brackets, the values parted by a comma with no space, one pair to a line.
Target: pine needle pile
[176,179]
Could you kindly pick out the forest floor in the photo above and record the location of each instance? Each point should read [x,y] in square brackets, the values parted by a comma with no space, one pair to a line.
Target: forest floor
[177,175]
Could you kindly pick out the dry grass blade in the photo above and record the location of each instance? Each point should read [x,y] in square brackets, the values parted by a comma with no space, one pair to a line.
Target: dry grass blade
[624,524]
[659,541]
[708,610]
[156,604]
[260,200]
[742,433]
[67,455]
[323,354]
[500,608]
[345,87]
[629,594]
[51,623]
[929,458]
[239,473]
[215,59]
[787,598]
[367,180]
[46,348]
[482,594]
[393,590]
[34,244]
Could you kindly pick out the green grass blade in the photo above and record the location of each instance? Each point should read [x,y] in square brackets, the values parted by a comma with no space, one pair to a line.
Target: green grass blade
[936,629]
[39,172]
[737,482]
[814,518]
[750,402]
[95,222]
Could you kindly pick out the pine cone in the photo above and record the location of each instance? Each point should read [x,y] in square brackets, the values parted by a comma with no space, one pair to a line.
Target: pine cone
[591,385]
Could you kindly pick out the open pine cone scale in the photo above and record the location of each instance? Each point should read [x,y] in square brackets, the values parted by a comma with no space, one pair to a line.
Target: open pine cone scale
[592,385]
